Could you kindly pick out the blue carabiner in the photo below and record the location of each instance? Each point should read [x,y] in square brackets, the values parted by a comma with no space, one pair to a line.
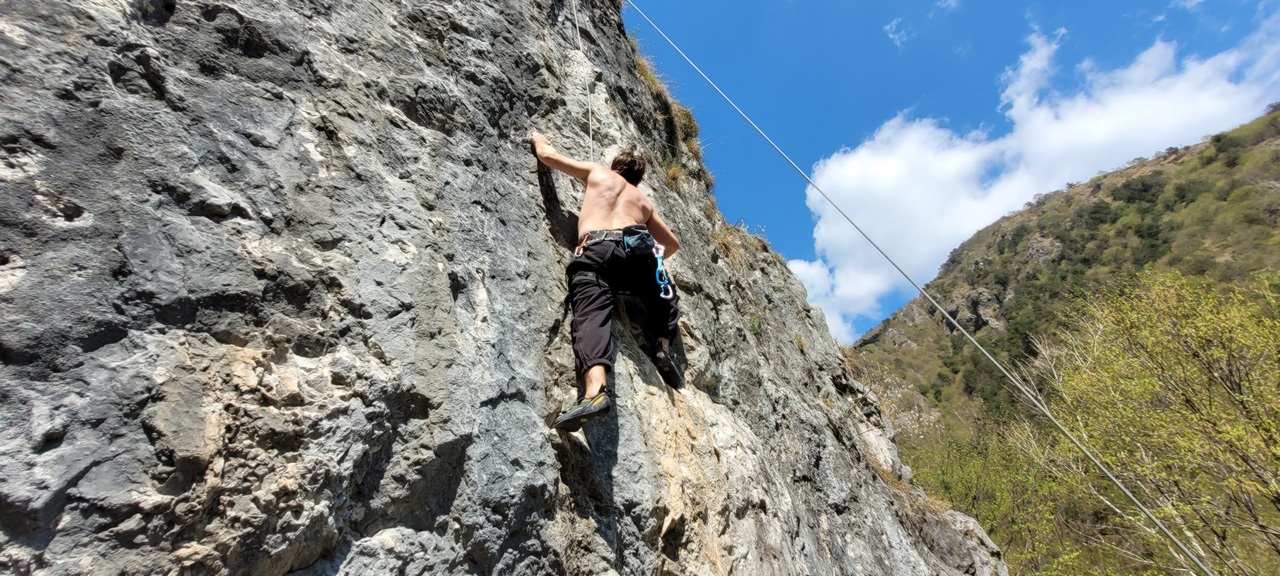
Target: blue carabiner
[664,281]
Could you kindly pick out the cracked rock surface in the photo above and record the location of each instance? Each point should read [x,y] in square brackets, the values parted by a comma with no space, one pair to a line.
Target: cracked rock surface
[280,293]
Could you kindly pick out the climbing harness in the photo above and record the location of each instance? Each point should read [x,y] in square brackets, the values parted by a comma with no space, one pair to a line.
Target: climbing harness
[664,281]
[595,237]
[1031,396]
[633,242]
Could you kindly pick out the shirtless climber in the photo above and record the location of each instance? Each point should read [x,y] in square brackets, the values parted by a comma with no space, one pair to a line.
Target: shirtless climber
[617,229]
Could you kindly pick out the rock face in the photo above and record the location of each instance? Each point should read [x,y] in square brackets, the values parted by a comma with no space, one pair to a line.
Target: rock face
[280,292]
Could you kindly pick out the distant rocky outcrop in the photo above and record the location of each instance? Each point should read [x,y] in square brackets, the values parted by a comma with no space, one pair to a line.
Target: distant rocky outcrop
[280,292]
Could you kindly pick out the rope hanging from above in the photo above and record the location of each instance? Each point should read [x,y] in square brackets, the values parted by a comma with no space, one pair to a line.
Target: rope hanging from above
[577,29]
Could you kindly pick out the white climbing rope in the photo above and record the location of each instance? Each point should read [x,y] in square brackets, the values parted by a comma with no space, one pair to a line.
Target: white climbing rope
[590,77]
[1032,397]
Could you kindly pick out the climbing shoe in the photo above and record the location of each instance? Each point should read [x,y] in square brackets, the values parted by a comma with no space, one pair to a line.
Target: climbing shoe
[667,368]
[586,410]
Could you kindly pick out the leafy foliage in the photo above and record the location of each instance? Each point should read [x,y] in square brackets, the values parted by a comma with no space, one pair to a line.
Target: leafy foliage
[1032,511]
[1174,383]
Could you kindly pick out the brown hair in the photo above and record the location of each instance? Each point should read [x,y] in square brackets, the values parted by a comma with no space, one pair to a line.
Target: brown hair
[630,165]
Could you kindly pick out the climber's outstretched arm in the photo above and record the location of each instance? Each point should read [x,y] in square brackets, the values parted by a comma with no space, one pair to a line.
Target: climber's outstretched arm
[663,235]
[548,155]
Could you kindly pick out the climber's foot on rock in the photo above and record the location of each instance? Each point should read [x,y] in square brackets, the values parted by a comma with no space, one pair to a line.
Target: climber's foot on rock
[666,364]
[586,410]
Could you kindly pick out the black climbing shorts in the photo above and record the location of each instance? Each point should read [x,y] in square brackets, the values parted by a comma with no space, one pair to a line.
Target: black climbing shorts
[601,272]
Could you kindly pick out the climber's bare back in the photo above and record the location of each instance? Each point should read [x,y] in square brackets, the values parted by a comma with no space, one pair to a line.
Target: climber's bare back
[611,203]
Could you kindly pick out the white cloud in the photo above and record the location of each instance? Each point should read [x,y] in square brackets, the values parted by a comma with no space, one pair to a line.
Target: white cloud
[1188,4]
[899,36]
[948,4]
[919,189]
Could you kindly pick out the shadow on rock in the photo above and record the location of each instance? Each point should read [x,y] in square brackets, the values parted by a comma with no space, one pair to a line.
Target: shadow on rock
[563,222]
[587,469]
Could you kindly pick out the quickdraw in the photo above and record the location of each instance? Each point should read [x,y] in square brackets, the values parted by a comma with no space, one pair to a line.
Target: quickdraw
[664,281]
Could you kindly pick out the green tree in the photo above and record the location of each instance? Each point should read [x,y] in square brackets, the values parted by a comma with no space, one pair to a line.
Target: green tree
[1176,383]
[1033,511]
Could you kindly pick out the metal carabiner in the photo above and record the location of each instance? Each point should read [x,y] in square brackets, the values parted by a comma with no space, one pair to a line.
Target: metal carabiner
[664,281]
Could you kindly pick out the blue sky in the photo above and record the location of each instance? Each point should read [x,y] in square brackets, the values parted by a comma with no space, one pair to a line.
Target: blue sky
[927,120]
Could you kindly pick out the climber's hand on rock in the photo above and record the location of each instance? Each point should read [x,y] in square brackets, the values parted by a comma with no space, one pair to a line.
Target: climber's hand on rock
[541,146]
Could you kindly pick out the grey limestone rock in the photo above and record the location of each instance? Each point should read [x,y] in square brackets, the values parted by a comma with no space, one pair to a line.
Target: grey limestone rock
[280,293]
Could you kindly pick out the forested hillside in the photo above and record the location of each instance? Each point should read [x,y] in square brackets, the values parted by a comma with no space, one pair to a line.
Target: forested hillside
[1061,291]
[1206,210]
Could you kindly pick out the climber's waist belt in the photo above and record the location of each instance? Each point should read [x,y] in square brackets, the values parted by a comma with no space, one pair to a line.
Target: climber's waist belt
[633,238]
[598,236]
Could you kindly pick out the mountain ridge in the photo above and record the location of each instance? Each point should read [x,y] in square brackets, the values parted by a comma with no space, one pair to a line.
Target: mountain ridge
[1005,282]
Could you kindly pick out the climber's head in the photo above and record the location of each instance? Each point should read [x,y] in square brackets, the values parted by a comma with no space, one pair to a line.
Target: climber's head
[630,165]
